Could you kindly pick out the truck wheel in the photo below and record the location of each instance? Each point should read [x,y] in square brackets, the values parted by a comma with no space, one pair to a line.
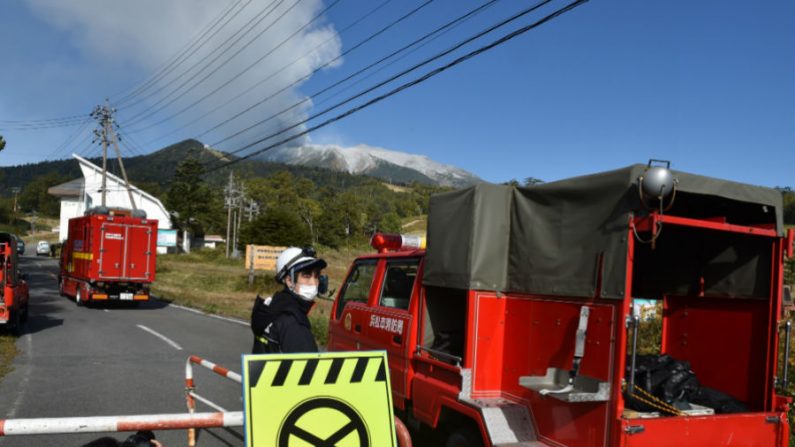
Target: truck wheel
[24,315]
[464,437]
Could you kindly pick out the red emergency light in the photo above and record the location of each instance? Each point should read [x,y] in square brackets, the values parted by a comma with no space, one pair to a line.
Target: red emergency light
[384,242]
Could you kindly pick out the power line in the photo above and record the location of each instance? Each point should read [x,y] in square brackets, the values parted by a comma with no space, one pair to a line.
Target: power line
[256,20]
[44,125]
[263,57]
[182,55]
[65,144]
[269,77]
[201,61]
[416,81]
[124,137]
[449,25]
[45,120]
[382,83]
[417,45]
[146,112]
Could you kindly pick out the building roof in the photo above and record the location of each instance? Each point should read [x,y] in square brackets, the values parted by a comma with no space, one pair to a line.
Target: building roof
[72,188]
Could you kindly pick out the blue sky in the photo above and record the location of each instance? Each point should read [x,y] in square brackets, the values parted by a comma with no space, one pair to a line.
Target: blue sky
[708,85]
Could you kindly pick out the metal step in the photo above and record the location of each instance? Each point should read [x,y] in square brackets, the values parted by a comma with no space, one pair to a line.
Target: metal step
[508,423]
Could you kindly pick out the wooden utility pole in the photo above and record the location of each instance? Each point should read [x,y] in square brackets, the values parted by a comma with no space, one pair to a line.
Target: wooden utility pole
[104,159]
[229,202]
[107,135]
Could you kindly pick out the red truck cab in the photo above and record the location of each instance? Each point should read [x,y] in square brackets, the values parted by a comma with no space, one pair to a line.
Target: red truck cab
[13,286]
[515,327]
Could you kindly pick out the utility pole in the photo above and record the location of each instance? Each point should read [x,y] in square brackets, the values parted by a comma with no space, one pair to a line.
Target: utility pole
[252,209]
[107,136]
[241,200]
[230,194]
[15,190]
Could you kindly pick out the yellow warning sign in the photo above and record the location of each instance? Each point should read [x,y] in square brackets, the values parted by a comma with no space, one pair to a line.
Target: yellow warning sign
[340,399]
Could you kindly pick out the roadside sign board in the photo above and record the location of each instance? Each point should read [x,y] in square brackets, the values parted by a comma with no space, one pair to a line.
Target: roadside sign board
[319,399]
[166,238]
[262,256]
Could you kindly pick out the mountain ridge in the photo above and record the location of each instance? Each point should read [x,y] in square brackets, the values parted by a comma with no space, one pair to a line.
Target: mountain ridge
[158,167]
[394,166]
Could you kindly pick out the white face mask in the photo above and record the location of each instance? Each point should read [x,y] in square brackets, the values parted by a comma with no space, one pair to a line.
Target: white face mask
[307,292]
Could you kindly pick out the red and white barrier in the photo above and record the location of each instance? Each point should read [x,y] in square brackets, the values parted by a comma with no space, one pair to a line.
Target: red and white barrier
[191,397]
[220,370]
[105,424]
[179,421]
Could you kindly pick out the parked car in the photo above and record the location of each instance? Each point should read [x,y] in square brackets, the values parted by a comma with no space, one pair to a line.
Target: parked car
[43,248]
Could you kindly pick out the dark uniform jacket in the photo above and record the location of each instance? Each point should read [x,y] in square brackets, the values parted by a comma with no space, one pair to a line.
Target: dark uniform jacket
[281,325]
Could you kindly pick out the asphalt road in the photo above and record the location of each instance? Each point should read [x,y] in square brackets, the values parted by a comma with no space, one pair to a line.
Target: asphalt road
[112,360]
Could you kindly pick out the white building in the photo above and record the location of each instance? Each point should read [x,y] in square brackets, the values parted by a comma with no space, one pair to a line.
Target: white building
[81,194]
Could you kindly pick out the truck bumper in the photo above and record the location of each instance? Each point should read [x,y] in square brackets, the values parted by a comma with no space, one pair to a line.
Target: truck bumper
[750,429]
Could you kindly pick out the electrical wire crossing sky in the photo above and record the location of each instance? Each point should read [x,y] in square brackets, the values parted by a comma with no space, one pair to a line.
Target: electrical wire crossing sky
[504,89]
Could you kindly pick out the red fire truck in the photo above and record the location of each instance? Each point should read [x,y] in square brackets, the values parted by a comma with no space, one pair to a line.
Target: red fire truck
[13,284]
[109,254]
[515,327]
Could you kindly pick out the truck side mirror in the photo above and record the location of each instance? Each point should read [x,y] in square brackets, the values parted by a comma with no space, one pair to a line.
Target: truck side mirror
[322,287]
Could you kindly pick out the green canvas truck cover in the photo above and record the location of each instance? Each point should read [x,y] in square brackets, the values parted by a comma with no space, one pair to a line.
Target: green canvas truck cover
[550,238]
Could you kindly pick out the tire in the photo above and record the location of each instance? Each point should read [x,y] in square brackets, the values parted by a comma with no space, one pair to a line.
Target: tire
[79,297]
[465,436]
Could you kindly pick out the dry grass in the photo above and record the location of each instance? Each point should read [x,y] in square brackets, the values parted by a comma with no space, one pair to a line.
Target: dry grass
[44,226]
[416,226]
[205,280]
[8,350]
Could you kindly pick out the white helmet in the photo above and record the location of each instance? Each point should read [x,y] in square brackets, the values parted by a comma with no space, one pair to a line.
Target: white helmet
[295,259]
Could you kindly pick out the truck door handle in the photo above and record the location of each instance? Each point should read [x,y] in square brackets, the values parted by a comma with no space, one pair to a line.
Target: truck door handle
[357,328]
[397,339]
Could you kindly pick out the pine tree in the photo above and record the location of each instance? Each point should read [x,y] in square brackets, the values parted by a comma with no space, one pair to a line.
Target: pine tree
[188,196]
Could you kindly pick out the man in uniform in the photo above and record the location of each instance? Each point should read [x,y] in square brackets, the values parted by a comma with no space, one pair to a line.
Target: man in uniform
[280,322]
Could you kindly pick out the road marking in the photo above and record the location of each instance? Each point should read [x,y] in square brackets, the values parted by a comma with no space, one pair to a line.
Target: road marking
[217,317]
[161,336]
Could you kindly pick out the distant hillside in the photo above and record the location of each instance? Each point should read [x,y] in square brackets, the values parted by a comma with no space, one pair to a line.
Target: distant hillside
[158,168]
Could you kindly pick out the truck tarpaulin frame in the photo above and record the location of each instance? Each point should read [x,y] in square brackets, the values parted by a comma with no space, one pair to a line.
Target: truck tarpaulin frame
[549,238]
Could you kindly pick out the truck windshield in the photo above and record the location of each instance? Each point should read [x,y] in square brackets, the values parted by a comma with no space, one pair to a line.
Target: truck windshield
[357,284]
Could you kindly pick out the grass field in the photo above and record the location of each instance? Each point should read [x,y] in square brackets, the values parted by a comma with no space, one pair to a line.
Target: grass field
[207,281]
